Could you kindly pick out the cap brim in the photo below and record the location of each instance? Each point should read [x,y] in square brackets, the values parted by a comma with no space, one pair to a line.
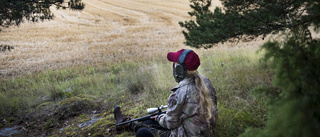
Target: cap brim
[172,56]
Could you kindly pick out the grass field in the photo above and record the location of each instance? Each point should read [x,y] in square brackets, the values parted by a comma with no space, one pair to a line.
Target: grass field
[114,53]
[105,31]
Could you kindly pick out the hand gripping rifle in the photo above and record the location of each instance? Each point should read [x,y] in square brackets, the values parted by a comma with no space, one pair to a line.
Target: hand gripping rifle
[151,112]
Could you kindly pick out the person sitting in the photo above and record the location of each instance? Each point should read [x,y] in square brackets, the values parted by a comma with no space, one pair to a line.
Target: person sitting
[192,105]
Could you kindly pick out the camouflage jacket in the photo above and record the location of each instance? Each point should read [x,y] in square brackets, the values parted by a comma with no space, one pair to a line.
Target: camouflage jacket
[183,117]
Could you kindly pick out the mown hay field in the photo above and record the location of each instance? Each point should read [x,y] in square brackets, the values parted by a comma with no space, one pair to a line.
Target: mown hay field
[105,31]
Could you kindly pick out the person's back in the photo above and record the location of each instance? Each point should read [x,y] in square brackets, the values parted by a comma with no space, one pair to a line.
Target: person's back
[192,105]
[214,99]
[183,116]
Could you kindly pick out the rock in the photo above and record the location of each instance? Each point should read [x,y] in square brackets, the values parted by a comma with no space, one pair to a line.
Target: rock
[10,131]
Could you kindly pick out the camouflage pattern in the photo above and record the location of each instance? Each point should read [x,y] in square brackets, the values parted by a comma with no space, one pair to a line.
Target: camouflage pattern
[183,117]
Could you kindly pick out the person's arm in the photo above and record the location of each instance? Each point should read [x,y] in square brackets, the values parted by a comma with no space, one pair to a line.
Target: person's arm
[172,119]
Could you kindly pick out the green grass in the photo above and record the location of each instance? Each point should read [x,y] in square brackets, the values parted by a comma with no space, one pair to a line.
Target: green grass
[235,74]
[136,86]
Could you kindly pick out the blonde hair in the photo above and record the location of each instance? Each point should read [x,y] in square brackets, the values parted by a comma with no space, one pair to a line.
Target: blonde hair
[204,97]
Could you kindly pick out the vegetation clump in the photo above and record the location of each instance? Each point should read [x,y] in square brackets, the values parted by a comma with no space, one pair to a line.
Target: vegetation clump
[74,106]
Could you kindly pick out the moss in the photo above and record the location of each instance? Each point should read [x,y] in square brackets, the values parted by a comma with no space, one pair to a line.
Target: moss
[84,117]
[74,133]
[70,128]
[69,131]
[98,135]
[44,105]
[69,101]
[126,134]
[50,124]
[74,106]
[85,103]
[137,111]
[100,127]
[85,96]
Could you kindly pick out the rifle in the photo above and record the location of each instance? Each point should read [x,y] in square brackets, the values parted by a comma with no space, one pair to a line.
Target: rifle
[151,111]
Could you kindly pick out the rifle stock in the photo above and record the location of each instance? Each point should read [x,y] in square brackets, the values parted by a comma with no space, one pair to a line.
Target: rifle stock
[141,118]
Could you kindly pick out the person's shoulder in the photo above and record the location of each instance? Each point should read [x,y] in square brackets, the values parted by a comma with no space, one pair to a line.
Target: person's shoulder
[204,78]
[207,82]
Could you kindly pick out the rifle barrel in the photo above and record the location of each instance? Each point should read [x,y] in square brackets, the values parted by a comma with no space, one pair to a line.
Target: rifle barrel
[141,118]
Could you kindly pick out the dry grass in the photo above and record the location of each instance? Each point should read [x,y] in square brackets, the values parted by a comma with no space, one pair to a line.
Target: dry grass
[106,31]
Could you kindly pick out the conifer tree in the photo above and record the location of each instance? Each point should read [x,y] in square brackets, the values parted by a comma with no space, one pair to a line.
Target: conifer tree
[13,12]
[245,20]
[296,60]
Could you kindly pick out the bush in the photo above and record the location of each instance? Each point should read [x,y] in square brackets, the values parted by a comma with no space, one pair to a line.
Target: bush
[295,112]
[74,106]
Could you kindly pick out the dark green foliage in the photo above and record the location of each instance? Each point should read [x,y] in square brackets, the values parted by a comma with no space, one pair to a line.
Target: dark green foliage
[295,112]
[245,20]
[294,103]
[13,12]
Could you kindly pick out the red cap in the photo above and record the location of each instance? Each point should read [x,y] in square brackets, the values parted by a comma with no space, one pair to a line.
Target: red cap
[191,62]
